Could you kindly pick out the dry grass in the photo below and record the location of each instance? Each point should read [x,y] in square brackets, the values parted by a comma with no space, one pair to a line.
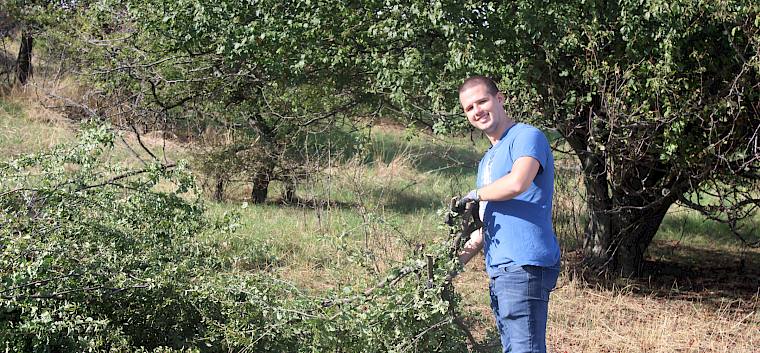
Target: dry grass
[31,121]
[588,319]
[645,315]
[321,248]
[26,125]
[32,117]
[400,167]
[715,312]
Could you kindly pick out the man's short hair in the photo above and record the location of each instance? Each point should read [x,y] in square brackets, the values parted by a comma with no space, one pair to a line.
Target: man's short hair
[480,80]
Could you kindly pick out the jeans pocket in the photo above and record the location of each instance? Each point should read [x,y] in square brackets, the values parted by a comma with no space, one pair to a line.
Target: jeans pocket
[511,280]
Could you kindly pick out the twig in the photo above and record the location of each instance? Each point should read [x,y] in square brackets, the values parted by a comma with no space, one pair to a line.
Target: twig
[122,176]
[139,140]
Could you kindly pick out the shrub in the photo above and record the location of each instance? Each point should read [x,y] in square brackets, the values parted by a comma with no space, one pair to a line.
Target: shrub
[95,257]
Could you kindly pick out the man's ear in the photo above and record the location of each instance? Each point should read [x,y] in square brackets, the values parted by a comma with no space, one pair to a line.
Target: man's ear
[501,98]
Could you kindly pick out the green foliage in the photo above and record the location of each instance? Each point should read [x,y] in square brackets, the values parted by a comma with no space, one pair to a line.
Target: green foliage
[657,99]
[97,258]
[83,241]
[34,14]
[232,69]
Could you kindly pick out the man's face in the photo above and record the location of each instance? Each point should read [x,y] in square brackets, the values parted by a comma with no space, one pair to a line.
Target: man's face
[483,110]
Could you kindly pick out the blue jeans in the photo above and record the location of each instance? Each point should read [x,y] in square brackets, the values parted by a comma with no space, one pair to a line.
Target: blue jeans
[520,302]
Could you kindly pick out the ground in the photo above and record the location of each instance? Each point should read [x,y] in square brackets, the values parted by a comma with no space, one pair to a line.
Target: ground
[700,291]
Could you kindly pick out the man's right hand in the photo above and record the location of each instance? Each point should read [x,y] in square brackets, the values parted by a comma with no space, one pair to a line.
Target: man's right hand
[471,196]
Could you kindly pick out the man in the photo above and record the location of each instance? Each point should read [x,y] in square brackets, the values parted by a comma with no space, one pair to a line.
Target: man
[515,187]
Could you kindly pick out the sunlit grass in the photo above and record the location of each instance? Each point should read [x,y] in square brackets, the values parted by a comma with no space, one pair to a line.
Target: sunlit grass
[357,219]
[27,127]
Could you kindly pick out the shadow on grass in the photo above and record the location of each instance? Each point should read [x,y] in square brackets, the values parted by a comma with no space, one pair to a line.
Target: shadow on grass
[312,204]
[722,281]
[449,159]
[408,202]
[402,202]
[489,343]
[695,273]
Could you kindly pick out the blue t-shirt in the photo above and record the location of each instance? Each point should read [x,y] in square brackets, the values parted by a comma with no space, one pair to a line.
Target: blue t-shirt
[519,231]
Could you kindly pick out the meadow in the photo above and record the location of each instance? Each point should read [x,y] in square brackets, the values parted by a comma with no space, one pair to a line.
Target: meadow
[351,223]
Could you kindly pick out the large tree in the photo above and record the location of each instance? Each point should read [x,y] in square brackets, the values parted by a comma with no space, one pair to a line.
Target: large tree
[41,21]
[261,73]
[274,75]
[657,99]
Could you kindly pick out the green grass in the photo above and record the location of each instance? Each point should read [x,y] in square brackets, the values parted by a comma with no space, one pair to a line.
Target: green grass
[683,224]
[358,219]
[392,191]
[27,130]
[445,156]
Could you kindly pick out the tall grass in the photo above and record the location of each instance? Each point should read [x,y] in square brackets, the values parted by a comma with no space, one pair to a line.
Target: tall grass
[361,216]
[27,126]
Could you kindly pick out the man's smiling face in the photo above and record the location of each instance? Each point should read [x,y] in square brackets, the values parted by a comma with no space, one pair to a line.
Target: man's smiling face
[485,111]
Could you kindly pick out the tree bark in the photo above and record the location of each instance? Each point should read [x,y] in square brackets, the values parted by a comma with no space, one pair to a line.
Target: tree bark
[260,186]
[618,234]
[634,239]
[601,226]
[219,189]
[24,59]
[599,231]
[289,195]
[624,218]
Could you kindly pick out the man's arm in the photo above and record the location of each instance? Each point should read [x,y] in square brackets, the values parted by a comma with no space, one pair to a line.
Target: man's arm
[524,170]
[471,247]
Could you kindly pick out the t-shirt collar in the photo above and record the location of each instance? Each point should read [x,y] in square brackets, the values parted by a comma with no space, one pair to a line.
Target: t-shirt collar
[503,135]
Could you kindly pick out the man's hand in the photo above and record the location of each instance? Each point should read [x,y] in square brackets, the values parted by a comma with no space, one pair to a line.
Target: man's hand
[471,220]
[471,196]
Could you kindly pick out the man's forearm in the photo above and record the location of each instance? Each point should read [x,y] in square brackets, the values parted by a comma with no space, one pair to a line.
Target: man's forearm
[472,247]
[518,180]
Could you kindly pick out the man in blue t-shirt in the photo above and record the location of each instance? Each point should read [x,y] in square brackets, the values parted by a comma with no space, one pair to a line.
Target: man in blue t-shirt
[515,186]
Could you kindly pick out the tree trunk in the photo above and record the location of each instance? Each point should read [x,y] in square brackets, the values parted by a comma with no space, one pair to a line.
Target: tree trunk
[219,189]
[623,219]
[617,238]
[24,60]
[601,227]
[634,239]
[289,195]
[260,187]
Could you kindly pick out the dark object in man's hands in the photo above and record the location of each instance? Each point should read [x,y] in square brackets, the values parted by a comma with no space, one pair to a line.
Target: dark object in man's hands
[471,196]
[469,210]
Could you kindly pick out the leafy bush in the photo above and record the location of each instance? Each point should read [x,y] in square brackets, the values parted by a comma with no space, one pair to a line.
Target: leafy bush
[92,256]
[95,257]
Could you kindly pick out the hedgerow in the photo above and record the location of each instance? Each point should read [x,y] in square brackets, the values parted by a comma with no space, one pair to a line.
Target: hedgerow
[96,257]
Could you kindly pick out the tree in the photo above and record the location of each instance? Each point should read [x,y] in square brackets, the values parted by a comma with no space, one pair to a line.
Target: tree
[23,16]
[32,18]
[24,59]
[233,67]
[96,256]
[657,99]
